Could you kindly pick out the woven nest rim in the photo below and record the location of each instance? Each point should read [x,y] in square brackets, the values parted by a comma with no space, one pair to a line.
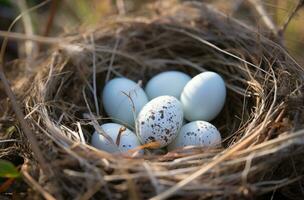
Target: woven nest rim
[264,86]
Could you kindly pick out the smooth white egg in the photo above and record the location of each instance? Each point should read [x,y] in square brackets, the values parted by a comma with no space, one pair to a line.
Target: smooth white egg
[203,97]
[169,83]
[160,120]
[197,133]
[128,140]
[120,96]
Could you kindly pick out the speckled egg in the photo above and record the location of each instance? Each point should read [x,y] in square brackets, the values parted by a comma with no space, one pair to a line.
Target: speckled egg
[197,133]
[128,139]
[160,120]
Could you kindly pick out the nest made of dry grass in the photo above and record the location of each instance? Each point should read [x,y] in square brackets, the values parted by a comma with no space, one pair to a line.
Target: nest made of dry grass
[261,123]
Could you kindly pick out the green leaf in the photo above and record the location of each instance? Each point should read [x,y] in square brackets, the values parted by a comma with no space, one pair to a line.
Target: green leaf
[8,170]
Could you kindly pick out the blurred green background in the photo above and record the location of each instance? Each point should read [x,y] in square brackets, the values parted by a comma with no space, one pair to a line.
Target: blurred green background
[68,15]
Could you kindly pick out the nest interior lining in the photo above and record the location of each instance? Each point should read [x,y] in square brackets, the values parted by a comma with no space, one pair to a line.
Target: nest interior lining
[261,78]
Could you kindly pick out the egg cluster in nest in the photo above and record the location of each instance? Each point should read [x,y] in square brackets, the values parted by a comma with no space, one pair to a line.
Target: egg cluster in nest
[261,123]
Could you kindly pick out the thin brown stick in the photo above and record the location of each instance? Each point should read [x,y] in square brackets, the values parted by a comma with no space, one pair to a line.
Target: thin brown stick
[37,38]
[221,158]
[260,10]
[293,13]
[120,4]
[16,107]
[27,130]
[6,36]
[94,75]
[228,54]
[32,182]
[30,47]
[91,191]
[205,168]
[53,10]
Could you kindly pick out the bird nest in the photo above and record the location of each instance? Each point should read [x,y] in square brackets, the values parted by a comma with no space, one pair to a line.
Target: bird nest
[260,123]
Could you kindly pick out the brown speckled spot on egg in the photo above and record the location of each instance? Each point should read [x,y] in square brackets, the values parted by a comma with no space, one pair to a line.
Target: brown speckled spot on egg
[161,112]
[151,138]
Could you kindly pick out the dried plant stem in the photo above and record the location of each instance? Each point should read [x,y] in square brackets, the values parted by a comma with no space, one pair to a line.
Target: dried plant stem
[94,76]
[264,87]
[120,4]
[53,10]
[16,107]
[166,194]
[27,130]
[260,10]
[293,13]
[31,48]
[31,181]
[36,38]
[7,34]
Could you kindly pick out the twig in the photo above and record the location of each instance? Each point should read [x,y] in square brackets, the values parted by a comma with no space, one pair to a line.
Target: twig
[94,76]
[120,132]
[120,4]
[30,47]
[95,124]
[247,168]
[53,9]
[235,6]
[34,184]
[29,179]
[80,132]
[295,10]
[237,147]
[196,37]
[158,187]
[6,34]
[36,38]
[112,59]
[91,191]
[19,114]
[166,194]
[257,5]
